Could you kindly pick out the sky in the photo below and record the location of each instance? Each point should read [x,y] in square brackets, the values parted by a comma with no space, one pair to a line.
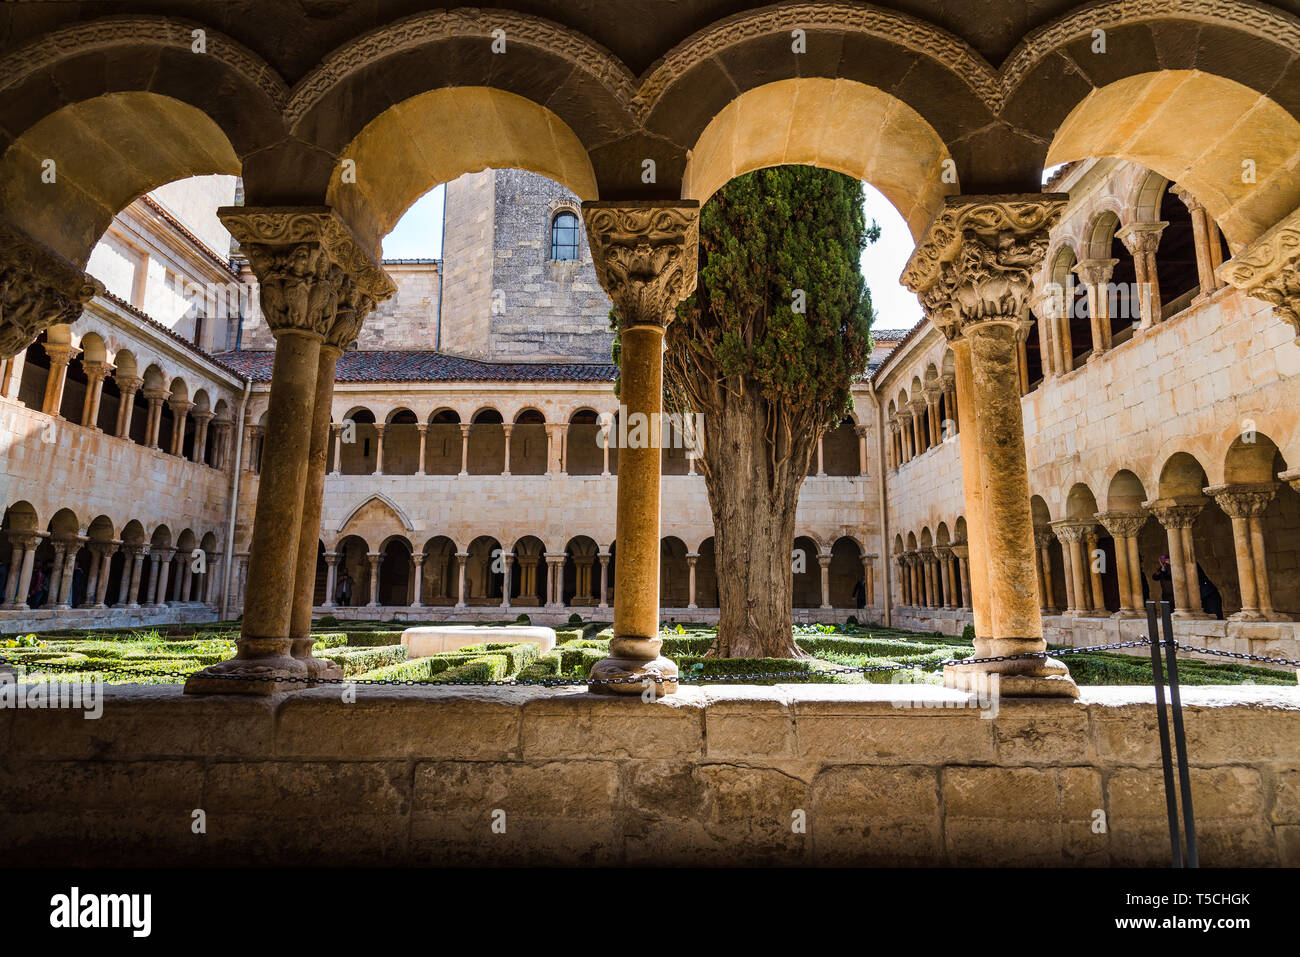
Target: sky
[418,235]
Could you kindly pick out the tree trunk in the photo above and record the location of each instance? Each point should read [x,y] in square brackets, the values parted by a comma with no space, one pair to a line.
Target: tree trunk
[753,499]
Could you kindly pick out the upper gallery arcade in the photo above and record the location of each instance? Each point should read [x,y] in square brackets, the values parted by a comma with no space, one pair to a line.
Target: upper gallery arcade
[337,119]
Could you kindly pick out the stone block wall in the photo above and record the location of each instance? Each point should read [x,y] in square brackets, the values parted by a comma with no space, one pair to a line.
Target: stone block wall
[838,775]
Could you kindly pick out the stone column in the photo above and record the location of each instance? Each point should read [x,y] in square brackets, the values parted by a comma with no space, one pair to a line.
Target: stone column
[902,579]
[932,396]
[1124,528]
[464,448]
[423,430]
[103,552]
[1176,516]
[128,386]
[380,428]
[1268,269]
[945,567]
[604,580]
[22,559]
[373,559]
[337,432]
[555,578]
[212,581]
[151,587]
[60,356]
[507,561]
[927,577]
[351,308]
[505,466]
[861,432]
[1245,505]
[156,398]
[56,573]
[1201,239]
[824,560]
[180,412]
[972,272]
[164,559]
[1072,535]
[130,592]
[201,423]
[962,552]
[1142,240]
[950,402]
[95,373]
[820,467]
[869,576]
[461,558]
[646,258]
[40,289]
[1095,275]
[1097,606]
[331,575]
[303,258]
[919,438]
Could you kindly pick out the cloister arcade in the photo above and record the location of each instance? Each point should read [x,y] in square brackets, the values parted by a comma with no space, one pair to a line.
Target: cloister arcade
[656,116]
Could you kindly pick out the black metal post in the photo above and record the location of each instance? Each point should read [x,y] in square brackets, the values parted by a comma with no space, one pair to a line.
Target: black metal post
[1180,740]
[1162,723]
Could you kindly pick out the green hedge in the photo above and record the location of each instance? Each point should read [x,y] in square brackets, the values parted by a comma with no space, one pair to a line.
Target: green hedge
[483,668]
[355,661]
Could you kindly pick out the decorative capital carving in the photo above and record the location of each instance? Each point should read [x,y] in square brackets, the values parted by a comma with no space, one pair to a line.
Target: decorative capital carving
[1122,524]
[1095,272]
[1042,537]
[308,265]
[1141,239]
[1269,269]
[354,305]
[646,256]
[128,384]
[1173,513]
[961,551]
[976,262]
[1190,201]
[1073,531]
[38,288]
[1243,501]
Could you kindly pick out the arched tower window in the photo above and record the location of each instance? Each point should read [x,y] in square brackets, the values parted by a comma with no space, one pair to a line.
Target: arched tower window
[565,239]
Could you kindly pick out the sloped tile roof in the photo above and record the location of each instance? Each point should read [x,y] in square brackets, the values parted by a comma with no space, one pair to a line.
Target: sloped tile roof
[422,366]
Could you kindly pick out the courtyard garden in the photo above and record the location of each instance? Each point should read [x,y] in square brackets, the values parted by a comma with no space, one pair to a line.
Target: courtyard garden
[372,651]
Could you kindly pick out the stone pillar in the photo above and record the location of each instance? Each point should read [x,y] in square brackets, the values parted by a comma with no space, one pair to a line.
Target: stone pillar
[972,272]
[920,442]
[156,398]
[423,430]
[464,448]
[1072,535]
[1096,275]
[95,373]
[555,578]
[869,577]
[505,466]
[945,573]
[180,412]
[646,258]
[824,560]
[337,432]
[41,289]
[927,577]
[1176,516]
[151,587]
[331,574]
[962,552]
[212,581]
[508,561]
[691,559]
[861,432]
[60,356]
[304,259]
[901,562]
[373,559]
[1043,542]
[461,558]
[1097,605]
[201,422]
[103,552]
[56,574]
[380,428]
[164,559]
[138,553]
[1124,528]
[128,386]
[604,580]
[932,397]
[1245,505]
[1142,240]
[1201,239]
[351,308]
[22,560]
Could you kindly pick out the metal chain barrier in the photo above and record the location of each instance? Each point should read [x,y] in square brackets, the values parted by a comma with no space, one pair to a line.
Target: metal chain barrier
[558,682]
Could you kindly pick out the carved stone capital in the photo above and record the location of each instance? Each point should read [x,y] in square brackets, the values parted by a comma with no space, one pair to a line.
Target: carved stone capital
[977,259]
[60,354]
[1292,476]
[353,307]
[1269,269]
[307,264]
[646,256]
[1243,501]
[961,551]
[38,288]
[1042,537]
[1095,272]
[1122,524]
[1190,201]
[1071,531]
[1141,239]
[1175,513]
[128,384]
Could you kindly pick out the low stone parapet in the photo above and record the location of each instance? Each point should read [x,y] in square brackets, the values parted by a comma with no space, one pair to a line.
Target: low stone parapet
[819,774]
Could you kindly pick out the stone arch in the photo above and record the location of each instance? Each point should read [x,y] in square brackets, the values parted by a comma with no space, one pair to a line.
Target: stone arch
[401,442]
[840,124]
[1230,121]
[360,456]
[528,443]
[529,580]
[403,151]
[807,573]
[1080,503]
[442,453]
[483,580]
[108,151]
[440,582]
[581,572]
[376,517]
[674,578]
[395,570]
[1182,476]
[487,443]
[840,453]
[845,571]
[352,584]
[1125,492]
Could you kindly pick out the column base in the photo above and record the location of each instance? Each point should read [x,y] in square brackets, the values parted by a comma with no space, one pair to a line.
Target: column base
[1204,616]
[1050,679]
[1239,616]
[1126,613]
[266,668]
[615,668]
[317,668]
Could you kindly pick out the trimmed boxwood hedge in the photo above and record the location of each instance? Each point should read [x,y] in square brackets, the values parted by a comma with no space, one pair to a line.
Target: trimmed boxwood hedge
[354,661]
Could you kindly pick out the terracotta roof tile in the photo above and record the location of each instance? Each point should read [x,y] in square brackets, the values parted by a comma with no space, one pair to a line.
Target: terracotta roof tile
[422,366]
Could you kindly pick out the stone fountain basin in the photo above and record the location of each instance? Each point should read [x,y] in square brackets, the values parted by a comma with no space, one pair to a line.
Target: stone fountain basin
[433,639]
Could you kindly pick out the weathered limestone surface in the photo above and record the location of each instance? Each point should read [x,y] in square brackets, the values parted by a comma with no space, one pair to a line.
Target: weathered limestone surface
[705,776]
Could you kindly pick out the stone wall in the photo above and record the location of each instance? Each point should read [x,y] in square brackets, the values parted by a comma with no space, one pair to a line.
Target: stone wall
[890,775]
[467,265]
